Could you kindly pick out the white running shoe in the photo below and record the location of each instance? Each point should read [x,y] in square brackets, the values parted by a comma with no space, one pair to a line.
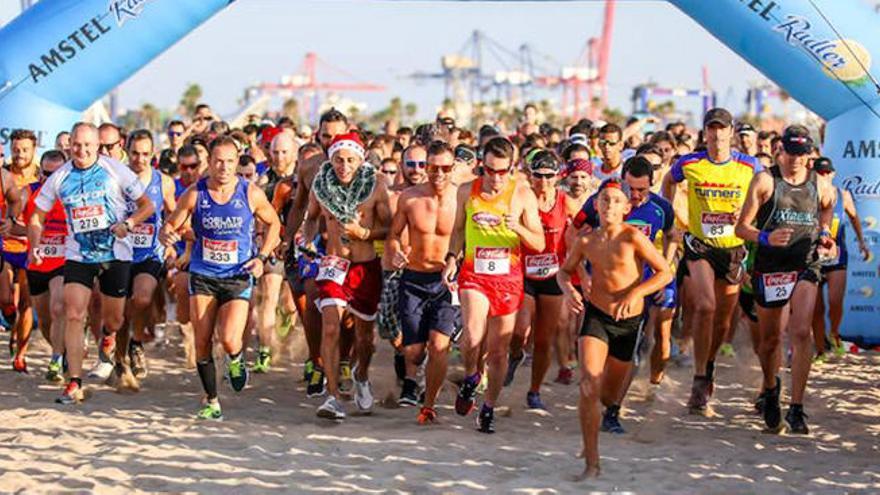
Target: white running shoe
[101,370]
[331,409]
[363,396]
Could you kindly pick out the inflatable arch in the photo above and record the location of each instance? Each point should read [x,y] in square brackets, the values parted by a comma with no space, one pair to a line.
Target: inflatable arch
[60,56]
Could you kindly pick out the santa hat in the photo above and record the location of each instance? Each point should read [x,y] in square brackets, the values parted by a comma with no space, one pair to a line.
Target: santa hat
[349,141]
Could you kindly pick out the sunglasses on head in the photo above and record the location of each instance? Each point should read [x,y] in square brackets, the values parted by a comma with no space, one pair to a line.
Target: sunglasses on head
[416,164]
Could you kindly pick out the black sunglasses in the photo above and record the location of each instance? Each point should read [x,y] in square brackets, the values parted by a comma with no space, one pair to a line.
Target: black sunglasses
[415,164]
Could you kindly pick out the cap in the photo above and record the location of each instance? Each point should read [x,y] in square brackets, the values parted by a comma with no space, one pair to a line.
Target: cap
[745,129]
[350,141]
[268,135]
[542,160]
[465,153]
[578,138]
[823,165]
[615,183]
[796,140]
[719,116]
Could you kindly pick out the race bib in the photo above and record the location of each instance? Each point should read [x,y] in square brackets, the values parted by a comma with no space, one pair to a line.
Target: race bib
[89,219]
[333,269]
[143,235]
[717,225]
[492,261]
[542,266]
[220,252]
[51,247]
[779,286]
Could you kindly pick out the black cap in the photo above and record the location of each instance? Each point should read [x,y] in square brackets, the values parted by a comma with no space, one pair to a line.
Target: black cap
[823,165]
[745,129]
[718,115]
[544,159]
[465,153]
[796,140]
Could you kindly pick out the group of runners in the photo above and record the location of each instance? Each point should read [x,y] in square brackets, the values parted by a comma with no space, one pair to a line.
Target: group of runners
[587,242]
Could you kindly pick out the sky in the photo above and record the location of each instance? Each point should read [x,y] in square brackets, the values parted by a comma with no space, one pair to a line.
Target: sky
[383,41]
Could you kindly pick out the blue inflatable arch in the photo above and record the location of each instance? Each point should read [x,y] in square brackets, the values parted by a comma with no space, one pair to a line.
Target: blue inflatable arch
[60,56]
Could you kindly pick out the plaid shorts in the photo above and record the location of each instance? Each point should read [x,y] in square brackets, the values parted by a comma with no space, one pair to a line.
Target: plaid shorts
[389,326]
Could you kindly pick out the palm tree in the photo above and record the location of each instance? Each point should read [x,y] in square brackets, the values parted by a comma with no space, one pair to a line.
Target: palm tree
[191,97]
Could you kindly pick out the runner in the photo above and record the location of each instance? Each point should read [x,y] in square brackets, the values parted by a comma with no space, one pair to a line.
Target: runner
[496,216]
[224,209]
[834,269]
[654,217]
[93,190]
[354,204]
[332,124]
[785,208]
[610,148]
[717,180]
[617,254]
[425,305]
[542,306]
[283,153]
[148,259]
[23,171]
[46,273]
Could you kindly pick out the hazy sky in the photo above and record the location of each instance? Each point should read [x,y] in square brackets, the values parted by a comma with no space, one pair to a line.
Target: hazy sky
[382,41]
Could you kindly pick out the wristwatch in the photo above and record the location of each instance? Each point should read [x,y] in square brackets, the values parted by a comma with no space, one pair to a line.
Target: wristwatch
[128,224]
[450,255]
[263,258]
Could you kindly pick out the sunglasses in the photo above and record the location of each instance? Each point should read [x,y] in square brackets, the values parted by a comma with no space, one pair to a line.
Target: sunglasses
[174,134]
[496,172]
[544,176]
[606,142]
[188,167]
[108,146]
[390,172]
[415,164]
[46,174]
[446,169]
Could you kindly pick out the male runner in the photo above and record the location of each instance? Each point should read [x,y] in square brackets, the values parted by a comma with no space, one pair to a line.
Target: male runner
[542,306]
[788,213]
[16,310]
[610,149]
[354,204]
[283,153]
[654,217]
[148,259]
[332,124]
[496,216]
[46,275]
[617,254]
[224,209]
[93,190]
[425,308]
[834,269]
[717,181]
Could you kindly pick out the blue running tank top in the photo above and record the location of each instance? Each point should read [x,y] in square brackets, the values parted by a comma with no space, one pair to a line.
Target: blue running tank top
[145,236]
[224,233]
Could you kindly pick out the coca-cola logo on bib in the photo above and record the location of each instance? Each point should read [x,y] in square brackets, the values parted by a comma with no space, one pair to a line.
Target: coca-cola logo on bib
[773,279]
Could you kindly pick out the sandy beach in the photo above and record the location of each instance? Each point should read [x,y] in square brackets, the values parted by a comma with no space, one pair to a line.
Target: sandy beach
[272,441]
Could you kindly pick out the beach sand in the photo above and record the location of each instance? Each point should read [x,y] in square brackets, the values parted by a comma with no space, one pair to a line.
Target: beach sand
[271,439]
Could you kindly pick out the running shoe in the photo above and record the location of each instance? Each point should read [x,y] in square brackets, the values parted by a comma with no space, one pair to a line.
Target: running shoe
[400,366]
[138,359]
[285,323]
[236,372]
[409,393]
[211,411]
[772,409]
[315,388]
[464,402]
[565,376]
[839,350]
[308,369]
[512,364]
[699,400]
[533,401]
[331,409]
[759,403]
[820,359]
[55,373]
[264,361]
[796,419]
[427,415]
[19,364]
[72,394]
[107,348]
[611,421]
[346,382]
[727,350]
[710,375]
[101,370]
[363,396]
[486,420]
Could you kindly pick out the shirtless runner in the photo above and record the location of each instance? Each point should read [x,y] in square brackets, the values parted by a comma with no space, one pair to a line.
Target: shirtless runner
[613,316]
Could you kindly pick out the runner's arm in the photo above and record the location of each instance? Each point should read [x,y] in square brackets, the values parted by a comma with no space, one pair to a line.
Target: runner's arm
[758,191]
[168,199]
[456,241]
[35,228]
[572,262]
[310,226]
[382,222]
[849,206]
[266,214]
[178,217]
[297,211]
[646,251]
[398,224]
[529,230]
